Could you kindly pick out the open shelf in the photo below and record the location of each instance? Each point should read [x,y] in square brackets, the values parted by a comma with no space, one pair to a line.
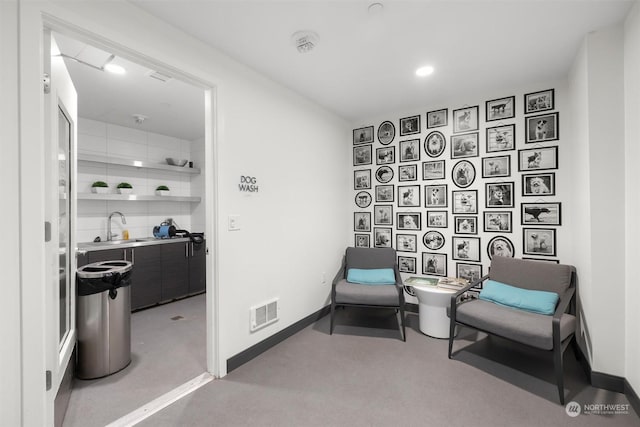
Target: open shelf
[140,164]
[137,197]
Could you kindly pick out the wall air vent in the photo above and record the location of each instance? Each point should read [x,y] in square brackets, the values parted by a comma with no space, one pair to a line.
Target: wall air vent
[159,76]
[264,314]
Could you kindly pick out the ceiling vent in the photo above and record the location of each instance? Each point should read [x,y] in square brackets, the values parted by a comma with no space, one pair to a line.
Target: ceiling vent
[159,76]
[304,41]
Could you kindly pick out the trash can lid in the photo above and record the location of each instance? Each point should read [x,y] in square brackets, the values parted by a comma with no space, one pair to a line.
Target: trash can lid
[104,268]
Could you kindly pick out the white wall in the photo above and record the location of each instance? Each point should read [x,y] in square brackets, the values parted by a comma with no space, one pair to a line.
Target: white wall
[292,230]
[10,356]
[100,138]
[632,160]
[563,179]
[597,95]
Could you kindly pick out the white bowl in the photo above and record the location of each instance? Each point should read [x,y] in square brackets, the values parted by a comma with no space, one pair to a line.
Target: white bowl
[176,162]
[100,190]
[163,192]
[125,190]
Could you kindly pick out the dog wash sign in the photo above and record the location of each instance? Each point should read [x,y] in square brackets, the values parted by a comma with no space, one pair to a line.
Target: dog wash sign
[248,184]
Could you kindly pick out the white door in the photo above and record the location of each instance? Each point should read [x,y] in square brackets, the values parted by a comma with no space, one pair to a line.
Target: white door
[61,114]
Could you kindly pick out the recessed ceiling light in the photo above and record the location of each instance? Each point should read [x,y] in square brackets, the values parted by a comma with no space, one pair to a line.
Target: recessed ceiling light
[114,68]
[424,71]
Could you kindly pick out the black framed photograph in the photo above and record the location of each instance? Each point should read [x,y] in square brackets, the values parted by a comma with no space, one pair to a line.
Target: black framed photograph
[496,167]
[437,219]
[407,264]
[384,174]
[362,221]
[385,155]
[362,179]
[464,145]
[501,108]
[465,119]
[543,100]
[408,221]
[433,240]
[498,221]
[363,135]
[466,248]
[433,170]
[409,150]
[463,173]
[501,138]
[539,241]
[471,272]
[385,193]
[465,202]
[553,261]
[363,199]
[434,144]
[539,184]
[408,173]
[434,264]
[500,246]
[435,196]
[362,155]
[382,237]
[542,128]
[499,195]
[541,213]
[538,159]
[437,118]
[386,132]
[465,224]
[408,196]
[410,125]
[362,241]
[406,242]
[382,215]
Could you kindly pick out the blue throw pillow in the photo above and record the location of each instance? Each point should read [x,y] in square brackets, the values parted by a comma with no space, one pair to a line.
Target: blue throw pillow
[541,302]
[372,276]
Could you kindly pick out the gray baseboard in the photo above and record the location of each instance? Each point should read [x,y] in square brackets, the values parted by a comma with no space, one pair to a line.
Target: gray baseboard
[631,394]
[264,345]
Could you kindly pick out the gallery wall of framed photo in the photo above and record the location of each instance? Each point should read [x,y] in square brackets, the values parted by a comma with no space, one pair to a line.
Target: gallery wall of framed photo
[453,186]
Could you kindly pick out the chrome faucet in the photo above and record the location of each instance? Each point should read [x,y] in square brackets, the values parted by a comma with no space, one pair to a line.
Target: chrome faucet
[110,236]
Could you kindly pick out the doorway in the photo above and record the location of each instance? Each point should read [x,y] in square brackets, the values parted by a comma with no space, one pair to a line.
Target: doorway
[102,127]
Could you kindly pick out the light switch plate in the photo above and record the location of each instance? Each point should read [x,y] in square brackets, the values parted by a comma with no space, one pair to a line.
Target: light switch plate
[234,222]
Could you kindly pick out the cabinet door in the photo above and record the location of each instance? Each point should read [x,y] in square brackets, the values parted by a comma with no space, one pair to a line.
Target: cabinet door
[146,277]
[108,255]
[197,267]
[175,270]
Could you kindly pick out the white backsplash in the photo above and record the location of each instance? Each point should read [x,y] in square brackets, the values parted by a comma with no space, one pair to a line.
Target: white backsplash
[101,138]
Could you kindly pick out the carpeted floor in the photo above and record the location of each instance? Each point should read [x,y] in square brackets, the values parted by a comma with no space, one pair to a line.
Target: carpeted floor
[364,376]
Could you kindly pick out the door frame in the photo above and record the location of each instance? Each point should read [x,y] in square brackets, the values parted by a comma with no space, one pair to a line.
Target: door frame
[33,20]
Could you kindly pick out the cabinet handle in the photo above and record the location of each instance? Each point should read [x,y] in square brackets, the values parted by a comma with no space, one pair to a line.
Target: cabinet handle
[191,249]
[186,250]
[133,256]
[124,254]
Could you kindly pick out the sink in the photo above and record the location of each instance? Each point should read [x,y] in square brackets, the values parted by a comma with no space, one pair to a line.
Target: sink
[118,242]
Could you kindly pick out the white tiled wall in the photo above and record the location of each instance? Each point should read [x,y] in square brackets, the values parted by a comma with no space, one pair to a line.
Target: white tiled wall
[97,137]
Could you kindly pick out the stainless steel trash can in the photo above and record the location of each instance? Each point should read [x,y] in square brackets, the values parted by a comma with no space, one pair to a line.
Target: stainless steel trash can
[103,318]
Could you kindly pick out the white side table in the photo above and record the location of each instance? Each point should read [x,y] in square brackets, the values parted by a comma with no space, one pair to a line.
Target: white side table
[433,303]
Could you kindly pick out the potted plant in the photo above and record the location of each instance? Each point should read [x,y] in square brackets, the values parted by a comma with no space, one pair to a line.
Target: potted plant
[100,187]
[124,188]
[162,190]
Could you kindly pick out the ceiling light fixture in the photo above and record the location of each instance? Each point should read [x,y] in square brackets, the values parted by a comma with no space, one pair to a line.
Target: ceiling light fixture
[425,71]
[304,41]
[107,66]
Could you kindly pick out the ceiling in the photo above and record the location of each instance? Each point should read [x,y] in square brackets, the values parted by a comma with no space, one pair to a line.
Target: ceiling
[364,63]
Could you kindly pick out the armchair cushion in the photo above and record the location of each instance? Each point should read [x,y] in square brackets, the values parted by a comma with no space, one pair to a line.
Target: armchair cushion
[541,302]
[371,276]
[353,293]
[517,325]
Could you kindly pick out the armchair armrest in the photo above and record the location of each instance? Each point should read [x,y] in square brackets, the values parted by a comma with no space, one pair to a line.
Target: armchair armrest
[454,297]
[563,304]
[341,272]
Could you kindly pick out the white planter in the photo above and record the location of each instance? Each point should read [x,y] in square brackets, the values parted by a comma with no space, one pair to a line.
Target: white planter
[100,190]
[163,192]
[125,190]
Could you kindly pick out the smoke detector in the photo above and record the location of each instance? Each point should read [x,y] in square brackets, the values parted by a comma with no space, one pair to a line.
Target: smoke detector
[139,118]
[304,41]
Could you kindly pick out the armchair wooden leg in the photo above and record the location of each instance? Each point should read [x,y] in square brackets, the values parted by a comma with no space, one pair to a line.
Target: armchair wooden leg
[557,361]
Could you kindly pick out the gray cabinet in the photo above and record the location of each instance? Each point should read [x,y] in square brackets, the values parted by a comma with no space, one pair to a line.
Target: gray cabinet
[161,272]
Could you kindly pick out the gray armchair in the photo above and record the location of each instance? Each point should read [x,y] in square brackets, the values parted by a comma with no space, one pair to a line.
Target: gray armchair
[552,333]
[344,293]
